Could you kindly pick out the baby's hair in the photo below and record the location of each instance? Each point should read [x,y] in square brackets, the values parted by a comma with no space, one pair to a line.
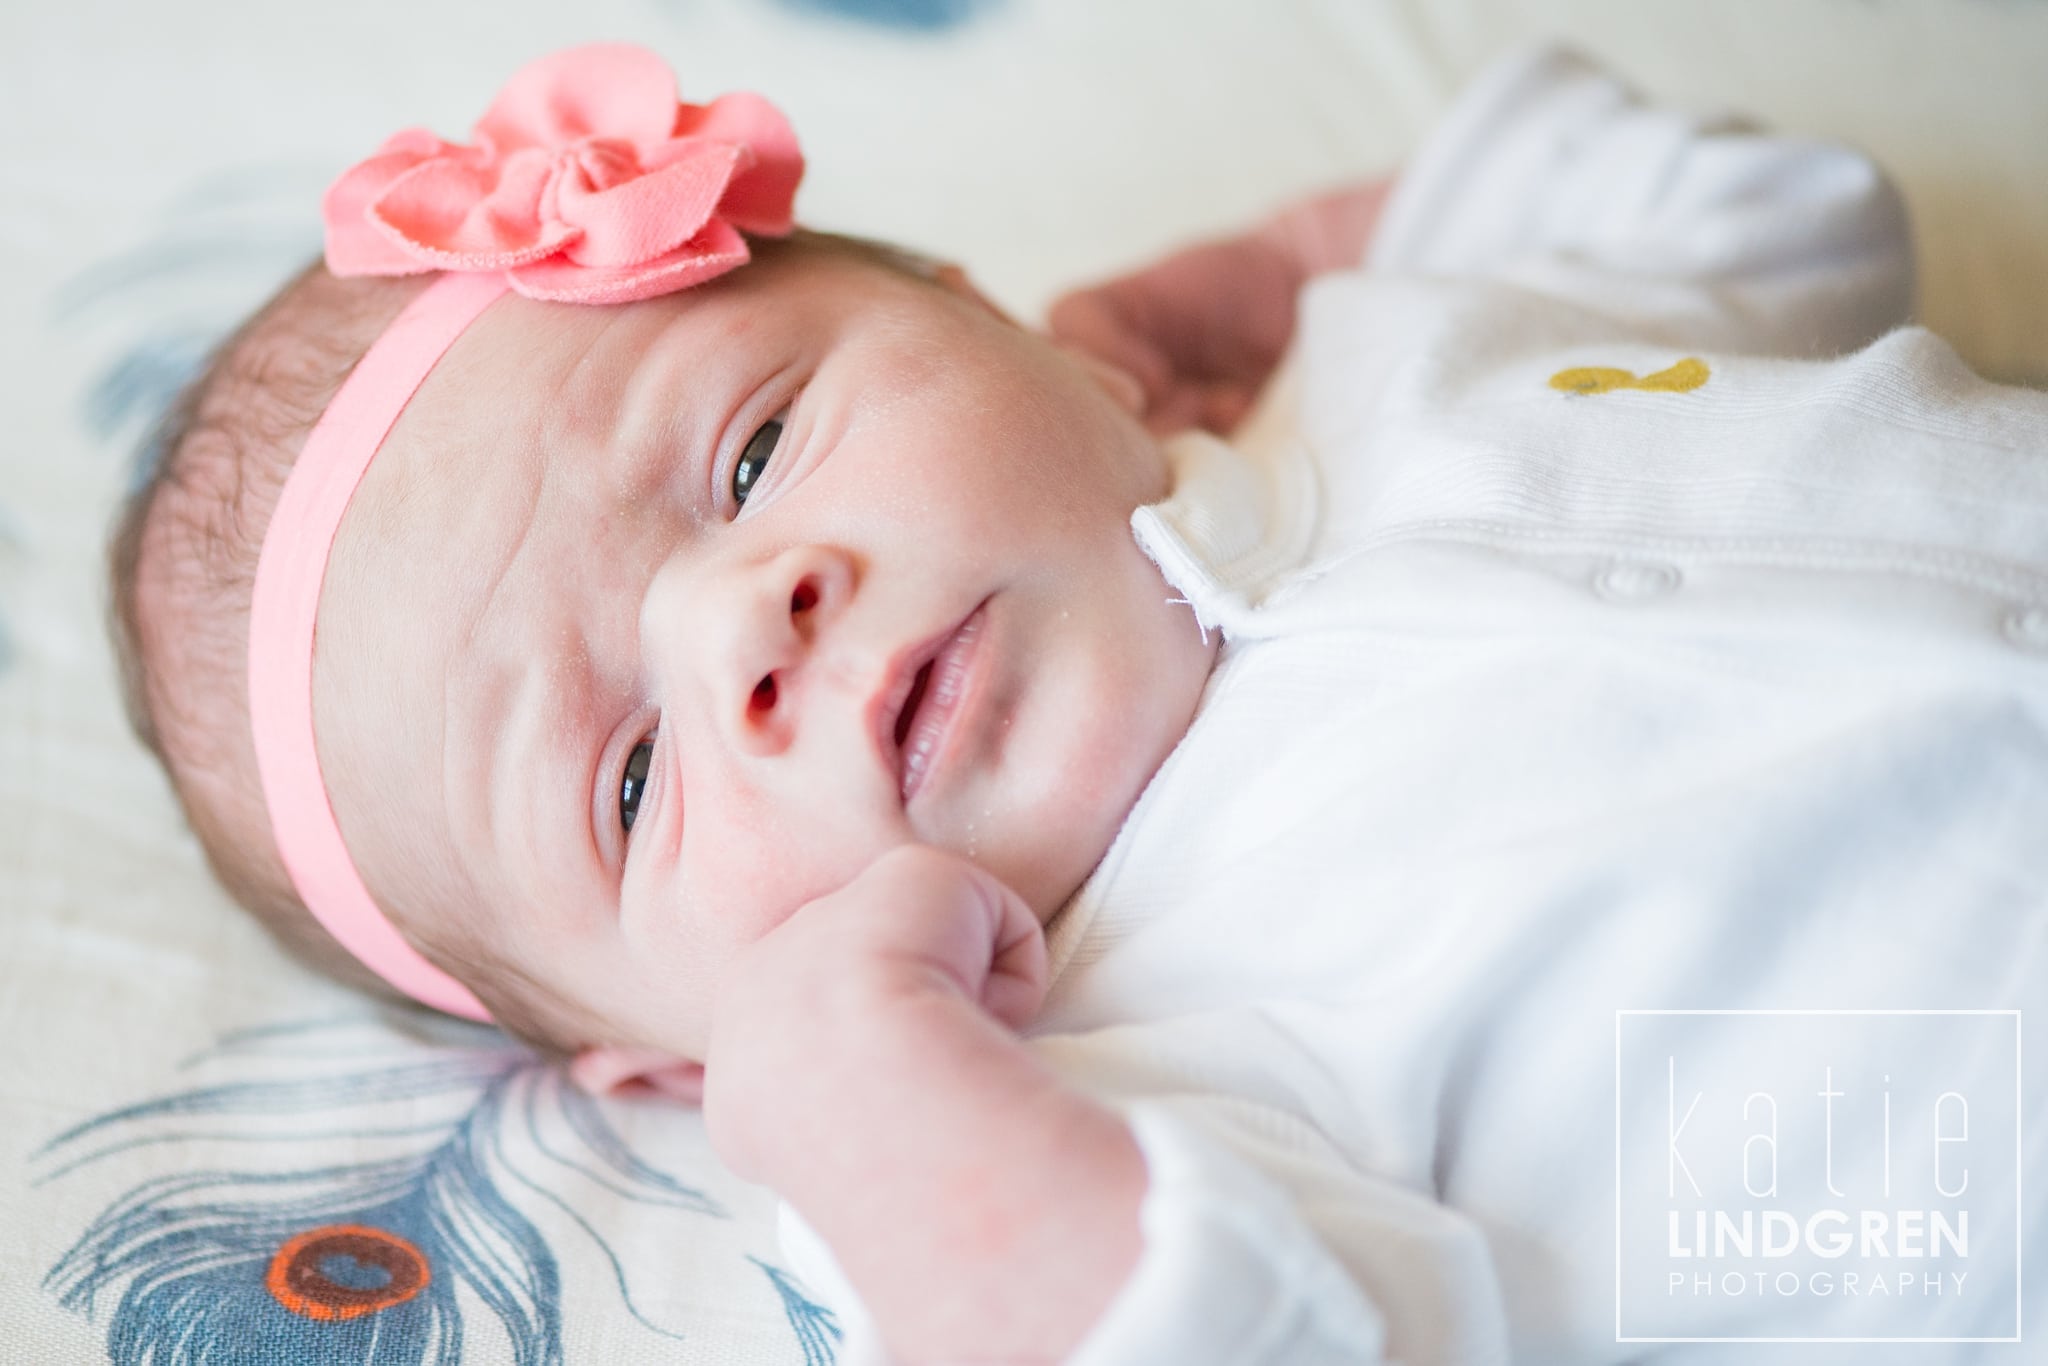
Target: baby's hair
[183,563]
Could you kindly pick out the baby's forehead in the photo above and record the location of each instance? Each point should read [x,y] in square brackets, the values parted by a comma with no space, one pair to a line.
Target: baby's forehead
[520,459]
[551,371]
[562,422]
[571,385]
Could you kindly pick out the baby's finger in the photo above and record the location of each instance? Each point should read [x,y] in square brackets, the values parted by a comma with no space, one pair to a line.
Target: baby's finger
[1016,983]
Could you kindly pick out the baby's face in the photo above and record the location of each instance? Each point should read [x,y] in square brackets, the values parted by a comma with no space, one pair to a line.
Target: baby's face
[572,691]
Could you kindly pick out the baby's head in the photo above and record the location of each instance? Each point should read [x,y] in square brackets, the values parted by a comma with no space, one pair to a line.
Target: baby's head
[649,622]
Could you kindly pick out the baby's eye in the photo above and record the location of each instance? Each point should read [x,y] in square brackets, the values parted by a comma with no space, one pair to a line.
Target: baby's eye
[746,471]
[634,783]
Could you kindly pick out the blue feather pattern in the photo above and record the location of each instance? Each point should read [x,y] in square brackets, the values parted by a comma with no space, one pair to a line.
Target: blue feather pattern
[220,249]
[919,16]
[816,1329]
[385,1257]
[287,1257]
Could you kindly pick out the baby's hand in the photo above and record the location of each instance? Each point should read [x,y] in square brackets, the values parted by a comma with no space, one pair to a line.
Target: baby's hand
[1200,330]
[1203,329]
[809,1006]
[862,1063]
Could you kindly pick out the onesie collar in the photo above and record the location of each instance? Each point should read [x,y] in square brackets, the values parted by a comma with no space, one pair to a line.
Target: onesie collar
[1239,521]
[1241,515]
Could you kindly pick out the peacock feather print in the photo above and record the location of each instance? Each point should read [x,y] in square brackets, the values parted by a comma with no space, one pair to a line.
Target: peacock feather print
[910,16]
[343,1191]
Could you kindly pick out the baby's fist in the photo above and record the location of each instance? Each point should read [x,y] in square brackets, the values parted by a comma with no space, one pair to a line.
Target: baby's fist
[919,916]
[921,941]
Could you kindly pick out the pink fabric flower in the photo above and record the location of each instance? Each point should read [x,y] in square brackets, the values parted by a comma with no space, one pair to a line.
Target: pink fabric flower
[585,182]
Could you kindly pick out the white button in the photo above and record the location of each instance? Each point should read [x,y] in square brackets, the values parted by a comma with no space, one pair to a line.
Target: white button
[1635,580]
[2027,628]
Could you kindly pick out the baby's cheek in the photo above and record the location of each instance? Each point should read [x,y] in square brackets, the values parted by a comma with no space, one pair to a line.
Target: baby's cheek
[755,874]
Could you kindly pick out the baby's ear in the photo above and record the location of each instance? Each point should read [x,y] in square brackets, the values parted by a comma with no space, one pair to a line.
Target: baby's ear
[609,1070]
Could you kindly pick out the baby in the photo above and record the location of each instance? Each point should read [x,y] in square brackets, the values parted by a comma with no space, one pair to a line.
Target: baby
[749,662]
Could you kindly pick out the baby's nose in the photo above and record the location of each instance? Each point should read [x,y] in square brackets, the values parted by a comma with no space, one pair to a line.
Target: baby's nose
[762,635]
[764,709]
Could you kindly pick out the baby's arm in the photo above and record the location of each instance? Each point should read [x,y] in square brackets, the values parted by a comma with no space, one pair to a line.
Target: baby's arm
[980,1209]
[861,1066]
[1697,230]
[1551,174]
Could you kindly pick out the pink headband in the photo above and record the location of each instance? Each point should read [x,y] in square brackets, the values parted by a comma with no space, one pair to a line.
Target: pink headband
[586,182]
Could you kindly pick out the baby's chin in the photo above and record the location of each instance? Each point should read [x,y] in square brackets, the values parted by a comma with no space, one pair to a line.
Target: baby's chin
[1089,803]
[1117,725]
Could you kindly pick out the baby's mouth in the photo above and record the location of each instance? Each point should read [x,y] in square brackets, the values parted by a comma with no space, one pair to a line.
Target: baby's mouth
[896,711]
[933,696]
[910,705]
[930,709]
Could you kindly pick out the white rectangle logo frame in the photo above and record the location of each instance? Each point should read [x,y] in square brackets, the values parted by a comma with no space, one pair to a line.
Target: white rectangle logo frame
[2019,1150]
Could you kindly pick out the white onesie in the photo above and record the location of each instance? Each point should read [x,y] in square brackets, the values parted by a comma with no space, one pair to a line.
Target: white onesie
[1584,656]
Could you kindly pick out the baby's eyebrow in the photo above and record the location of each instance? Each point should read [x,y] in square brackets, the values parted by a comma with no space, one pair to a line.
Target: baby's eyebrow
[659,433]
[530,729]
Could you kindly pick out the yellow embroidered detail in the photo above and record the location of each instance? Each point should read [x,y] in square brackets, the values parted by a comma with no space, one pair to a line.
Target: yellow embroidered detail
[1689,373]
